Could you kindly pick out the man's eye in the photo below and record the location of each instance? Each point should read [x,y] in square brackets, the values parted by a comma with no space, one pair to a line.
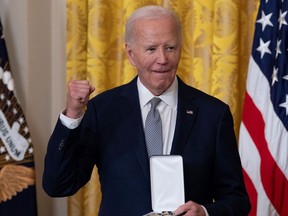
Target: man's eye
[151,49]
[170,48]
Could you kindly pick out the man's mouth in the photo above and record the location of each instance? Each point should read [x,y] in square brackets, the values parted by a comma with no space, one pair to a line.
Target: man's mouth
[161,71]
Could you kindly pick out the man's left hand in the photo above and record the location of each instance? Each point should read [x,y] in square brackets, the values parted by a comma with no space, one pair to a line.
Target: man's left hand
[190,209]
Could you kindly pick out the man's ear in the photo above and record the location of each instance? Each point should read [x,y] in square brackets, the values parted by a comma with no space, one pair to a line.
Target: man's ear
[129,53]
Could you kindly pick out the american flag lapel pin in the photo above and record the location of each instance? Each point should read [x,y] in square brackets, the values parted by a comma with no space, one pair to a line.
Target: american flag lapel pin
[189,112]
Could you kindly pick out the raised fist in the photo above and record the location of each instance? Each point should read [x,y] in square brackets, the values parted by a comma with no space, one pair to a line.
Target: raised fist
[77,97]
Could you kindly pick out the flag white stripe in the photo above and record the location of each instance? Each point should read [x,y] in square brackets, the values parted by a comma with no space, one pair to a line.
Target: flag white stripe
[275,133]
[250,159]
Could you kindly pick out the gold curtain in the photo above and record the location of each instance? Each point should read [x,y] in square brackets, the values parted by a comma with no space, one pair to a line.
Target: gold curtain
[217,40]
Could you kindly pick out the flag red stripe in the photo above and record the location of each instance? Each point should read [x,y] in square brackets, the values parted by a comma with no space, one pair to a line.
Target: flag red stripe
[252,193]
[273,180]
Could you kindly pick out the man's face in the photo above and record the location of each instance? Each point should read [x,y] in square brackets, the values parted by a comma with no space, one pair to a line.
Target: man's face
[155,52]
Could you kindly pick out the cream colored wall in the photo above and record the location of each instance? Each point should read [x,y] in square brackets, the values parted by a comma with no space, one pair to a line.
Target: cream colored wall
[35,38]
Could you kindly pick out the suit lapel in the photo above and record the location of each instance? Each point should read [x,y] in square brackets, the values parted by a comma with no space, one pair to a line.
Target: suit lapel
[133,125]
[186,115]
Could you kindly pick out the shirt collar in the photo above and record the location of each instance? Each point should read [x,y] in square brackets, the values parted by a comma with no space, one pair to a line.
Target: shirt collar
[170,96]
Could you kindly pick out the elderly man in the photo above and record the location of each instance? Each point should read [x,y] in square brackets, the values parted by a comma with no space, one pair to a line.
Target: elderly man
[110,133]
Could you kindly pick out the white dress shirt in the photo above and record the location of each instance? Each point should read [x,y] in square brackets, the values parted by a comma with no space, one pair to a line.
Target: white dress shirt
[167,109]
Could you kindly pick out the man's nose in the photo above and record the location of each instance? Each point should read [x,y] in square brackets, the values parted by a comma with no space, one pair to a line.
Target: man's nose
[162,56]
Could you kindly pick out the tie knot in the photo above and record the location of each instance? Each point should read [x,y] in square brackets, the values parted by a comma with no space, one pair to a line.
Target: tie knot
[154,102]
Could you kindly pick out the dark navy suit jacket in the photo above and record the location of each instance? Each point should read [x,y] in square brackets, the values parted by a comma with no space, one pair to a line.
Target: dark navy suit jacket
[111,137]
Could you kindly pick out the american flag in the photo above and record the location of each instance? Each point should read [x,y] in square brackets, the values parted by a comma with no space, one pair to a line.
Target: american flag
[263,139]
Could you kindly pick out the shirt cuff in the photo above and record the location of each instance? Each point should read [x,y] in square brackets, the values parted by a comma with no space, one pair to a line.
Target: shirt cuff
[69,122]
[205,210]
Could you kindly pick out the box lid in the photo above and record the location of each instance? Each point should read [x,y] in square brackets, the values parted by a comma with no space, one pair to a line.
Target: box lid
[167,182]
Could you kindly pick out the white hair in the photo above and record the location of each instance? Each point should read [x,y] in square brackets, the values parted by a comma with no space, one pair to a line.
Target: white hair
[149,12]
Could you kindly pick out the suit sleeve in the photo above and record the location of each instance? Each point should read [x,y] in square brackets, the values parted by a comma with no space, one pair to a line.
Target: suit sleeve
[229,190]
[67,166]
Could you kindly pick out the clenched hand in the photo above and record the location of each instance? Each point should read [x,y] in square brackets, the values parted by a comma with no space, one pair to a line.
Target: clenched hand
[77,97]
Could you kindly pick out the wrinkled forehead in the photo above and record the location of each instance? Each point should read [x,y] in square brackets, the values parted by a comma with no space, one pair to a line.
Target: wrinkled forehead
[149,27]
